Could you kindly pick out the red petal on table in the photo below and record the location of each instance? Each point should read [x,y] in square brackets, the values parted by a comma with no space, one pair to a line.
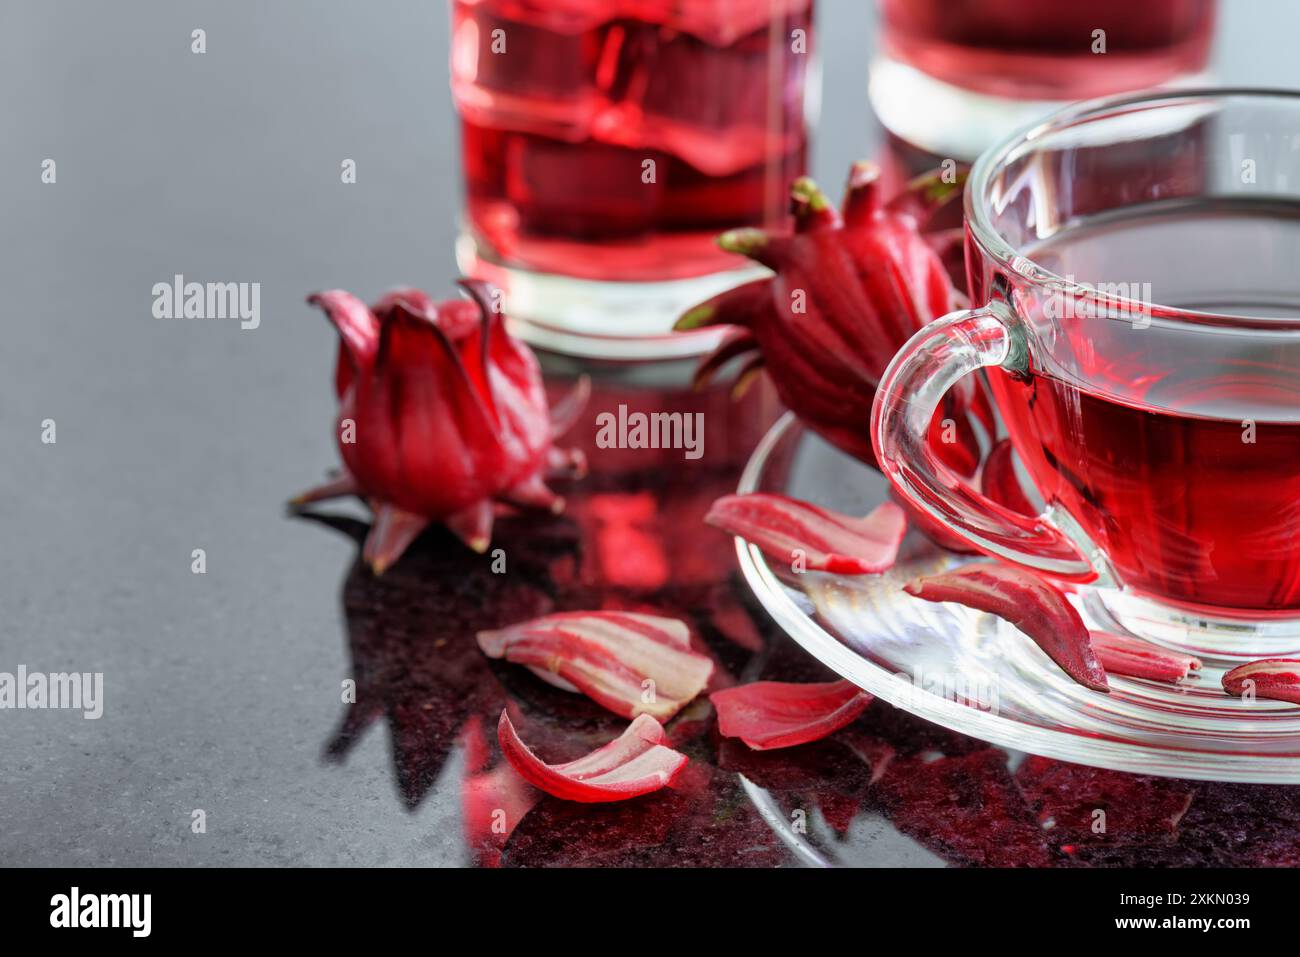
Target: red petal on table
[1275,678]
[609,656]
[999,480]
[829,542]
[1038,609]
[1125,655]
[779,714]
[634,763]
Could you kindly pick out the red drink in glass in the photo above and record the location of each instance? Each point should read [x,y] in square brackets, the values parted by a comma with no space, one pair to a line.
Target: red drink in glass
[1044,49]
[952,76]
[612,141]
[1191,498]
[1140,328]
[1179,461]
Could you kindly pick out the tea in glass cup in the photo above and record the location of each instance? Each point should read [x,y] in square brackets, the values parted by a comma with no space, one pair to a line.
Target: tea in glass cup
[1140,330]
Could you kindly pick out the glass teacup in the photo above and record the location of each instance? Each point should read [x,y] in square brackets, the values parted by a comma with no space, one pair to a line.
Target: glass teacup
[1136,264]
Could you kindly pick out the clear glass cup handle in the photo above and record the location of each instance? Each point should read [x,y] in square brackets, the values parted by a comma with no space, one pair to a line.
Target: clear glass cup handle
[925,368]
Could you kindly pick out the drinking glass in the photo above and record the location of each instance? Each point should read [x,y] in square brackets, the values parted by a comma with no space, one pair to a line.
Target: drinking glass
[1134,262]
[606,144]
[954,76]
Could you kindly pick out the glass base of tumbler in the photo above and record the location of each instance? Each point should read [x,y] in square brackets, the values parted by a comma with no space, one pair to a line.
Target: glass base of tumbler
[950,121]
[593,319]
[1206,635]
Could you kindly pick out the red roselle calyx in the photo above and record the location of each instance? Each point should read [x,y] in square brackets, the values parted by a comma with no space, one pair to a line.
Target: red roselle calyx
[1037,608]
[849,290]
[1125,655]
[635,763]
[776,714]
[1275,678]
[627,662]
[442,417]
[799,533]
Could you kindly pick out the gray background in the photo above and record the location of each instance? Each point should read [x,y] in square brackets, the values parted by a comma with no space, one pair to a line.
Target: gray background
[221,689]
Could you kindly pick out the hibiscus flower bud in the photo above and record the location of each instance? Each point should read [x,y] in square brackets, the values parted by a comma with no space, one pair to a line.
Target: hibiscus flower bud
[848,290]
[442,417]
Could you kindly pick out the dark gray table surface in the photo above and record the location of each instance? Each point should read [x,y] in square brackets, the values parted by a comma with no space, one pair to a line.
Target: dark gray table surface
[222,690]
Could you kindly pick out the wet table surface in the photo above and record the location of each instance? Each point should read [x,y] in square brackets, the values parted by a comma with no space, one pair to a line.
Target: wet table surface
[223,692]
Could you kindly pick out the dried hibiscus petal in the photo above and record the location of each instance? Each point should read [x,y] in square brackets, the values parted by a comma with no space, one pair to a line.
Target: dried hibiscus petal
[634,763]
[1125,655]
[1038,609]
[779,714]
[627,662]
[787,529]
[1275,678]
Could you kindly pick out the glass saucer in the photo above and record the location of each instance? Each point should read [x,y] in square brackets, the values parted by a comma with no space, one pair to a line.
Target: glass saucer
[975,674]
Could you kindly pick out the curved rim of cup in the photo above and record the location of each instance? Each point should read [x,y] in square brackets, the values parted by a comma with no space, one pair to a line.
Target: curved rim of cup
[992,242]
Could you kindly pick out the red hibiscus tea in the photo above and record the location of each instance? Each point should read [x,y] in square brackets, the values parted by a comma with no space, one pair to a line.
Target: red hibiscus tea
[1178,454]
[1133,266]
[954,75]
[610,142]
[1030,49]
